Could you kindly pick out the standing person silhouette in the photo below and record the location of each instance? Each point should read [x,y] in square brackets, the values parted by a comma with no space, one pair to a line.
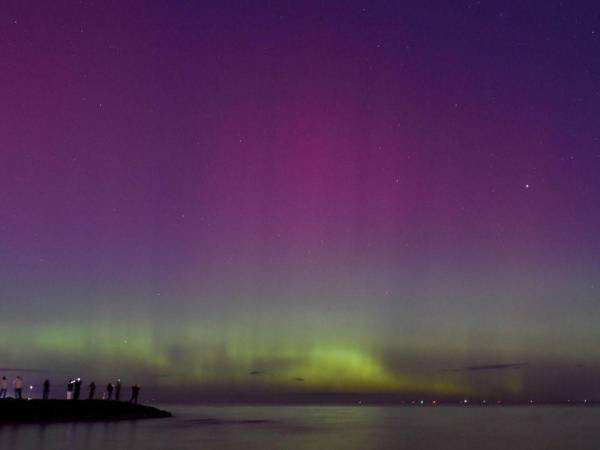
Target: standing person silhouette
[70,385]
[76,389]
[118,390]
[46,390]
[92,388]
[135,391]
[18,386]
[109,391]
[3,387]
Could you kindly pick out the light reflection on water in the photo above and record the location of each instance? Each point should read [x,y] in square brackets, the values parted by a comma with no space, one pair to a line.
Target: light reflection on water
[333,427]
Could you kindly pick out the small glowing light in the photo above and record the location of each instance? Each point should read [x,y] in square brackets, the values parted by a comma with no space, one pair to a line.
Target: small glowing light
[31,388]
[527,186]
[434,402]
[531,402]
[585,401]
[421,402]
[465,401]
[484,402]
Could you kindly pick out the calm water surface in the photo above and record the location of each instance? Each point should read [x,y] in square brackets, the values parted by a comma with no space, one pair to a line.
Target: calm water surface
[332,427]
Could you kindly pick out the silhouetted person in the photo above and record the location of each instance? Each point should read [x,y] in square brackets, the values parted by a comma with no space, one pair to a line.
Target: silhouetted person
[70,386]
[46,390]
[92,388]
[118,390]
[109,391]
[3,387]
[76,389]
[18,386]
[135,391]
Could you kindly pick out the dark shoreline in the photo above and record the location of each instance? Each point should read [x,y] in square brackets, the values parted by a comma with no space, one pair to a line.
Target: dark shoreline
[36,411]
[237,398]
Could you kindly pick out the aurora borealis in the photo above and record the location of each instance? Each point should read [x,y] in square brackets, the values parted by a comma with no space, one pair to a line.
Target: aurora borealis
[303,196]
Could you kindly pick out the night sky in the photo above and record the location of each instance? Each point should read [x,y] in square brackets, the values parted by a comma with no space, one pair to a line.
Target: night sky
[391,197]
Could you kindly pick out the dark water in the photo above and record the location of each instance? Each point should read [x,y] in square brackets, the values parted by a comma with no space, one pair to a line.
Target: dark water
[333,427]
